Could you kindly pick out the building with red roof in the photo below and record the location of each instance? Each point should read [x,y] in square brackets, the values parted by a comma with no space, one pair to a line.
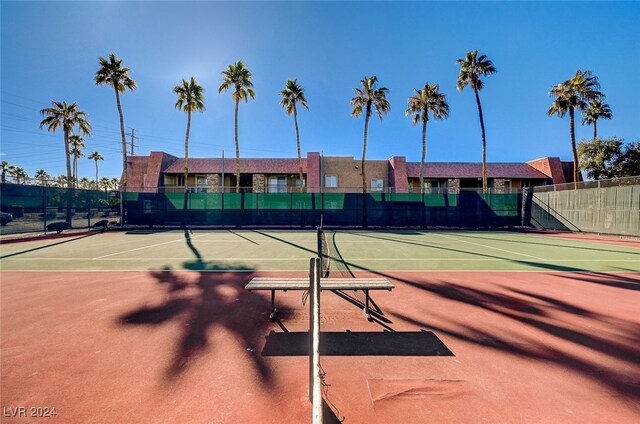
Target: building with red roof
[163,172]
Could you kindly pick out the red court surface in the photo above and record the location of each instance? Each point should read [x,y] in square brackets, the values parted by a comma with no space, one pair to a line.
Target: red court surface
[195,347]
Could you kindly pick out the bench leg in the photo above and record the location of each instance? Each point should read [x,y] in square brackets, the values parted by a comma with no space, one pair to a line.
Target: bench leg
[272,317]
[366,304]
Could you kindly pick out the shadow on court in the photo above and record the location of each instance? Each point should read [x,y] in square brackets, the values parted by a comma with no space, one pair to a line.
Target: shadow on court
[410,343]
[539,313]
[214,300]
[47,246]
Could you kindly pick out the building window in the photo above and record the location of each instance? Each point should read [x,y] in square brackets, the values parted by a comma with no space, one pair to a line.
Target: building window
[435,186]
[377,184]
[201,183]
[507,185]
[180,181]
[331,181]
[278,184]
[298,182]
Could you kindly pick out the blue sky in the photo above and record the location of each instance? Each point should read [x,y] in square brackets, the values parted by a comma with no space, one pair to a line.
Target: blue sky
[50,50]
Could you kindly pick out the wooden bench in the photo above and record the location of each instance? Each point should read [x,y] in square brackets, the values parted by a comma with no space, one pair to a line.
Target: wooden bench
[284,284]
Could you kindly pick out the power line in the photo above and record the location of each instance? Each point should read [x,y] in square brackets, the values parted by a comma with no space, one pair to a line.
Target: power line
[133,138]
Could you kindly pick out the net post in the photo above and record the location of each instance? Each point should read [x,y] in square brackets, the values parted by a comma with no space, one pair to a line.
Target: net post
[312,277]
[315,379]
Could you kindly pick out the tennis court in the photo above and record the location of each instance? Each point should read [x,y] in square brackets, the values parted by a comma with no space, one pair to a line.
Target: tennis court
[482,326]
[260,250]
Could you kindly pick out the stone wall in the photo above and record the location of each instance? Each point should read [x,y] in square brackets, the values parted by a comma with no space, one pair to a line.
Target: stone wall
[213,183]
[258,183]
[453,185]
[498,185]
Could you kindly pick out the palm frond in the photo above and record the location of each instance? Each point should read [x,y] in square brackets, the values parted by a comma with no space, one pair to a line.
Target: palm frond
[578,92]
[292,95]
[190,96]
[370,96]
[112,73]
[597,109]
[426,101]
[472,67]
[238,77]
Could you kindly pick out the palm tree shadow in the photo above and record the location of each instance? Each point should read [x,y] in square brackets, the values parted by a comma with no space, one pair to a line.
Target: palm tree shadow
[540,316]
[214,300]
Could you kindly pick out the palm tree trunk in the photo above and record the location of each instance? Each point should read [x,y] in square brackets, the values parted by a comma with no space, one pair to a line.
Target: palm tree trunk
[364,148]
[424,155]
[484,143]
[364,155]
[237,147]
[572,129]
[295,120]
[595,130]
[96,174]
[186,153]
[67,156]
[69,196]
[124,141]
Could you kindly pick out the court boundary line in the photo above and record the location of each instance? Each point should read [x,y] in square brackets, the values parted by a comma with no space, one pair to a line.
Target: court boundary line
[306,259]
[389,271]
[489,247]
[144,247]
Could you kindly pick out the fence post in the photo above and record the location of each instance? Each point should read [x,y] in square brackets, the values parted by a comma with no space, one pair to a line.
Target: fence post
[45,189]
[87,209]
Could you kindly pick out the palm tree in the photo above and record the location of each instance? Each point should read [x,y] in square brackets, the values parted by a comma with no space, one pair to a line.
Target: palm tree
[105,183]
[597,109]
[367,98]
[190,99]
[238,77]
[114,183]
[42,176]
[96,156]
[19,174]
[572,94]
[77,144]
[429,99]
[62,181]
[293,94]
[6,168]
[84,182]
[67,117]
[113,74]
[472,67]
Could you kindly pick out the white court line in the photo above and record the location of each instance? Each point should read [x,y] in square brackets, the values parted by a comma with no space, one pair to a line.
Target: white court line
[142,248]
[490,247]
[390,271]
[307,259]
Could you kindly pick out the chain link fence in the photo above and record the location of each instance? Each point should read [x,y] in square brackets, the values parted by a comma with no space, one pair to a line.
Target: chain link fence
[295,209]
[41,209]
[603,206]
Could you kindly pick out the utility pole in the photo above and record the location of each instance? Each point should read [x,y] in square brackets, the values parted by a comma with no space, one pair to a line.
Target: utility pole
[133,138]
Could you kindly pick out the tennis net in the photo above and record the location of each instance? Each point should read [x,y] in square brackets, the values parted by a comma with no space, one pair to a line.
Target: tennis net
[324,252]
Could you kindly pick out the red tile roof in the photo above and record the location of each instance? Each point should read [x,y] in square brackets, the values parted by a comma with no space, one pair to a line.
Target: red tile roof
[249,166]
[473,170]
